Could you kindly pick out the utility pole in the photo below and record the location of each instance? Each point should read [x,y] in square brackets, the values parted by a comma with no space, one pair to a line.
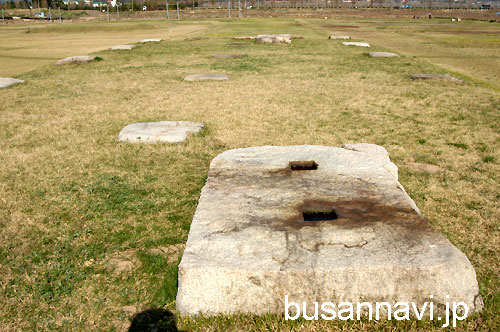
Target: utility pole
[60,17]
[3,19]
[228,8]
[168,14]
[107,11]
[239,8]
[177,9]
[117,11]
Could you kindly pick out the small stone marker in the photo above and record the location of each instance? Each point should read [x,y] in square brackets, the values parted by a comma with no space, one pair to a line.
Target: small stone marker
[356,44]
[77,60]
[319,224]
[227,56]
[163,131]
[446,77]
[277,38]
[121,47]
[206,77]
[8,81]
[339,37]
[383,55]
[150,40]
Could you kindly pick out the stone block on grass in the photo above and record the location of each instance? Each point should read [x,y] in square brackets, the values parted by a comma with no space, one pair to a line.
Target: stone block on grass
[319,224]
[360,44]
[8,81]
[76,60]
[206,77]
[163,131]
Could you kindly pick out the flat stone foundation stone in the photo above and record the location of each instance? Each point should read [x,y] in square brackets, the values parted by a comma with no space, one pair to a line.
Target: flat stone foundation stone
[8,81]
[121,47]
[75,60]
[150,40]
[275,39]
[316,223]
[339,37]
[356,44]
[383,55]
[163,131]
[206,77]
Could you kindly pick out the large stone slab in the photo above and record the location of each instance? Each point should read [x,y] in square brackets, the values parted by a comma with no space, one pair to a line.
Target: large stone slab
[76,60]
[121,47]
[445,77]
[8,81]
[339,37]
[315,223]
[150,40]
[206,77]
[276,38]
[360,44]
[383,55]
[163,131]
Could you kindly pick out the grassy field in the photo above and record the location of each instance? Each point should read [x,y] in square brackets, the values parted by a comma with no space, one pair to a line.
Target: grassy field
[92,230]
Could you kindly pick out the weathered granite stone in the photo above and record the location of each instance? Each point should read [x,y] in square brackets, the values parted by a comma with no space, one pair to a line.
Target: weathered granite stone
[227,56]
[164,131]
[150,40]
[121,47]
[339,37]
[8,81]
[206,77]
[356,44]
[446,77]
[383,55]
[277,38]
[315,223]
[77,60]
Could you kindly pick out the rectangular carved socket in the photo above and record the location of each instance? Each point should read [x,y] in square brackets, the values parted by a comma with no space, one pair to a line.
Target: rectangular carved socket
[303,165]
[319,215]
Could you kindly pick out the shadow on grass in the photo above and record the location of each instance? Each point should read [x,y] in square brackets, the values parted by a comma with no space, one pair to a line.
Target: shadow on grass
[154,319]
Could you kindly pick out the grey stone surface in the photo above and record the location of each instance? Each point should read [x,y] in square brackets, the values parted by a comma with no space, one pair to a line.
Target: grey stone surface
[206,77]
[150,40]
[445,77]
[251,241]
[163,131]
[238,44]
[339,37]
[227,56]
[121,47]
[360,44]
[8,81]
[383,55]
[276,38]
[76,60]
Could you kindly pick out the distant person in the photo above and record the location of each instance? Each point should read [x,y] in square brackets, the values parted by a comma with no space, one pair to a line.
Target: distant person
[430,15]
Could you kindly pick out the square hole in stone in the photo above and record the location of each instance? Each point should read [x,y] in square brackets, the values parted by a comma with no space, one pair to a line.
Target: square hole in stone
[319,215]
[303,165]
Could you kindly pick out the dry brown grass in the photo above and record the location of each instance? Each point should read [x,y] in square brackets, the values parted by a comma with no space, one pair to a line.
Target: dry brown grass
[27,47]
[70,193]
